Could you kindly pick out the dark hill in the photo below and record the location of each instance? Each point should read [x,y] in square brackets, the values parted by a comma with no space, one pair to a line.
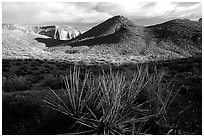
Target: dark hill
[182,28]
[185,34]
[108,27]
[117,35]
[120,35]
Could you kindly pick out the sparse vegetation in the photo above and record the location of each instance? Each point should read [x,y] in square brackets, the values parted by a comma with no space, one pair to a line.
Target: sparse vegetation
[15,83]
[52,81]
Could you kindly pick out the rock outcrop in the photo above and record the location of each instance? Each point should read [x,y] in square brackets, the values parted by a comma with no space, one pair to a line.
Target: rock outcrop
[57,32]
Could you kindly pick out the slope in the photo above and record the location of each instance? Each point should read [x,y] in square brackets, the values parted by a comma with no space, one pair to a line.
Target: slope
[185,35]
[18,43]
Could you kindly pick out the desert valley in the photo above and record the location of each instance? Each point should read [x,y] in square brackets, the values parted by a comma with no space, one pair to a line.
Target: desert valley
[116,78]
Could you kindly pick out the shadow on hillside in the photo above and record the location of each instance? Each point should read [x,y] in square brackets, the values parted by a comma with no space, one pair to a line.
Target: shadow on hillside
[185,64]
[114,38]
[88,42]
[96,41]
[50,42]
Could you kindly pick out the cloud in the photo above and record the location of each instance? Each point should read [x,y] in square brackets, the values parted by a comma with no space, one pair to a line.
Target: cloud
[54,12]
[154,9]
[19,12]
[95,12]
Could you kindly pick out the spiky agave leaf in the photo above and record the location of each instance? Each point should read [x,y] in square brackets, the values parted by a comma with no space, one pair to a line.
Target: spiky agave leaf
[106,104]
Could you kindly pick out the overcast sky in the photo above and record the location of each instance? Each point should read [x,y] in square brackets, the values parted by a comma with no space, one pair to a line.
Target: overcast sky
[85,15]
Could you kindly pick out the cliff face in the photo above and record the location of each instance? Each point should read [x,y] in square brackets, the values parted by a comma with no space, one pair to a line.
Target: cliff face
[57,32]
[65,33]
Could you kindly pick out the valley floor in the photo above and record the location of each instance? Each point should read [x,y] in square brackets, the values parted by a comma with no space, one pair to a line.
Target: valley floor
[25,113]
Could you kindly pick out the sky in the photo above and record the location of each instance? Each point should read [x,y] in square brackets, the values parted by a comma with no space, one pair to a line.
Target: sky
[85,15]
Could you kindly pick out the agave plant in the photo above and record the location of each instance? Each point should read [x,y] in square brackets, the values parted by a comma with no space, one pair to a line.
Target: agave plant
[75,96]
[115,98]
[107,104]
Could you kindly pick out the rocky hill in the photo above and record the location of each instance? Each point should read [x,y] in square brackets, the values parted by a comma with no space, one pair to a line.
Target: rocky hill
[121,36]
[108,27]
[25,42]
[186,35]
[19,43]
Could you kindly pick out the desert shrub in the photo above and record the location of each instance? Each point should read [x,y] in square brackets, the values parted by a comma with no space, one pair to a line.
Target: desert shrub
[34,78]
[62,68]
[72,51]
[44,71]
[29,72]
[28,60]
[17,63]
[34,68]
[47,66]
[20,72]
[35,63]
[77,49]
[53,81]
[5,68]
[15,83]
[40,61]
[21,113]
[5,62]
